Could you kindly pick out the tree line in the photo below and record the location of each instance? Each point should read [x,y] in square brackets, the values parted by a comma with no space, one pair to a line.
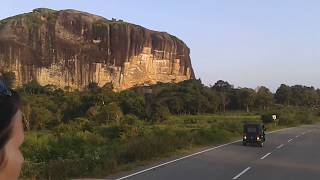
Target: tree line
[47,106]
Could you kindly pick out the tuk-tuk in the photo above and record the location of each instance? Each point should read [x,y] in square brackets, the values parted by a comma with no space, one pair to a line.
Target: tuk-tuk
[254,133]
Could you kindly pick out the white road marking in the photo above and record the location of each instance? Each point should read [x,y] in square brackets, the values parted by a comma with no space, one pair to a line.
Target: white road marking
[263,157]
[184,157]
[297,136]
[290,140]
[244,171]
[304,133]
[280,146]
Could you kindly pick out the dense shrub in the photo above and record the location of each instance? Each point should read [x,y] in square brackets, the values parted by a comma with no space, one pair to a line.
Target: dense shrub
[267,118]
[211,135]
[305,117]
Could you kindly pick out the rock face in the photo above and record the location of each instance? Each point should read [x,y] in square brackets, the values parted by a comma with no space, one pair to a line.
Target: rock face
[70,48]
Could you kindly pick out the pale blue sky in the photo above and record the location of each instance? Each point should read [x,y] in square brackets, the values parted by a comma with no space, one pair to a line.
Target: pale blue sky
[246,42]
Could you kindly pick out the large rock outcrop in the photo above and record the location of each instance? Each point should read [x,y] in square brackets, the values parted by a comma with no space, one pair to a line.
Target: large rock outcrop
[70,48]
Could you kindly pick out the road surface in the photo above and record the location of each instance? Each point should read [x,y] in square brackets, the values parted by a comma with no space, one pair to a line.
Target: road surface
[292,154]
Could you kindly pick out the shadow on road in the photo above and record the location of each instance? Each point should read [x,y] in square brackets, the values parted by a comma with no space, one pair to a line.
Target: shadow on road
[247,146]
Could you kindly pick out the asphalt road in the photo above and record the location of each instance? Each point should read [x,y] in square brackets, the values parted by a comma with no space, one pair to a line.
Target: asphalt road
[290,154]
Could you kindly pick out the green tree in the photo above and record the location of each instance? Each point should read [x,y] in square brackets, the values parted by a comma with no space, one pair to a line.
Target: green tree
[310,97]
[133,103]
[224,90]
[33,87]
[224,100]
[159,113]
[72,106]
[41,118]
[246,98]
[304,96]
[175,105]
[264,98]
[9,78]
[109,113]
[283,95]
[212,98]
[221,85]
[318,98]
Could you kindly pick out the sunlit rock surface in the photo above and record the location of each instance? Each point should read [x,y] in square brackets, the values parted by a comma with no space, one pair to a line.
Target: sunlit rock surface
[70,48]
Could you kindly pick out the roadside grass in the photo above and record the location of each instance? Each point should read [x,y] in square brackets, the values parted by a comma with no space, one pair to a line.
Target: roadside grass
[79,150]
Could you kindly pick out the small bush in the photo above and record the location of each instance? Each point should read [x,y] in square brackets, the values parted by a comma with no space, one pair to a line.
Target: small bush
[130,119]
[305,117]
[211,135]
[267,118]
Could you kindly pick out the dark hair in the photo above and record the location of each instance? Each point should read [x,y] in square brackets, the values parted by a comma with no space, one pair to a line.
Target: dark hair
[9,105]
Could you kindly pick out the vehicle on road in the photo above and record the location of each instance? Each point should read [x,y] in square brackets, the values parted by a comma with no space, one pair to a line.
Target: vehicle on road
[254,133]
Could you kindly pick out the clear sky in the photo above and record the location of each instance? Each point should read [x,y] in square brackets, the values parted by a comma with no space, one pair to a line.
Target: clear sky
[246,42]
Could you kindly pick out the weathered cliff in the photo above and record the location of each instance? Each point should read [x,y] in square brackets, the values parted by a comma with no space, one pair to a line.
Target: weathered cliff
[70,48]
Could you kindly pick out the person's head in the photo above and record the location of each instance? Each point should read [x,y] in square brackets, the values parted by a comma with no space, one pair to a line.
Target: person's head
[11,133]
